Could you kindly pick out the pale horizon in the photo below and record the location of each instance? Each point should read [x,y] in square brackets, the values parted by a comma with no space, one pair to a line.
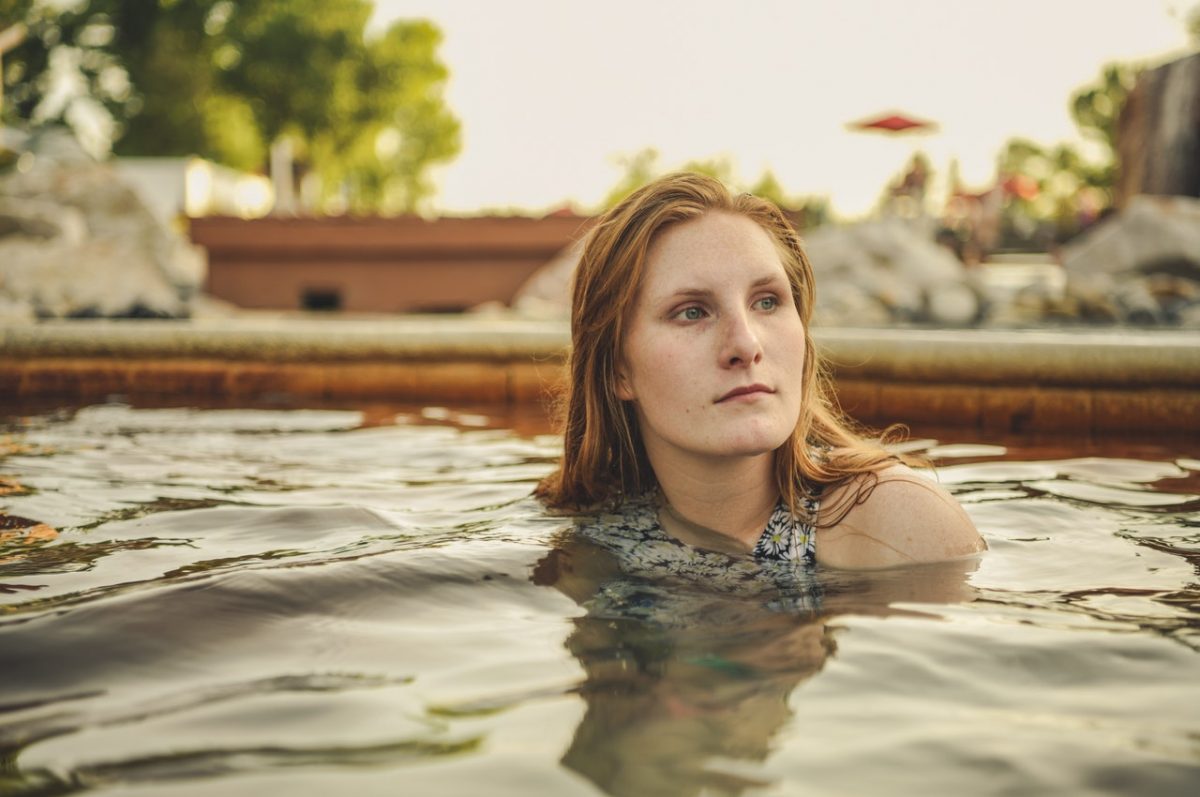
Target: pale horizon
[552,95]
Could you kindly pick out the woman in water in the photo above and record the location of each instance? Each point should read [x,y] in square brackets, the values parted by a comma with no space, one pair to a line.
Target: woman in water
[699,411]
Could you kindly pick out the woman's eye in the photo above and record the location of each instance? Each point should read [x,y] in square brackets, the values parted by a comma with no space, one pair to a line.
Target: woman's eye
[768,302]
[690,313]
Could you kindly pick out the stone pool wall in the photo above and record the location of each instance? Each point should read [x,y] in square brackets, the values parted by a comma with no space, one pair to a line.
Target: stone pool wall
[1103,382]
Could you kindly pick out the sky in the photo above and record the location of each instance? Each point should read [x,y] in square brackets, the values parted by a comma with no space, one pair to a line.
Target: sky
[552,94]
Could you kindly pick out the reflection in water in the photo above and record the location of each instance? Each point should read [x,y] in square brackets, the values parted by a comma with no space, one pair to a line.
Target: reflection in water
[312,603]
[688,683]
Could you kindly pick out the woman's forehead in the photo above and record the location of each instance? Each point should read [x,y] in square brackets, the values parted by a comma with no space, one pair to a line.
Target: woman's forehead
[715,246]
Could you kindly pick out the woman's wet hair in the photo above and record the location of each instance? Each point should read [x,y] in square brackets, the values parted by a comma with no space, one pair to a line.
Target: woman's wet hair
[604,460]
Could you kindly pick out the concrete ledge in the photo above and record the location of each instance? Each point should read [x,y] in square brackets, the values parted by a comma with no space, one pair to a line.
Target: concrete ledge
[1101,382]
[1085,358]
[281,339]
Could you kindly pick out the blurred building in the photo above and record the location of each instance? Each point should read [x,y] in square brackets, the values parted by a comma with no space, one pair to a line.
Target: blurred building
[377,264]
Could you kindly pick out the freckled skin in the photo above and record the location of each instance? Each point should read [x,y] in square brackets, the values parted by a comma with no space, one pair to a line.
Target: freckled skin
[714,313]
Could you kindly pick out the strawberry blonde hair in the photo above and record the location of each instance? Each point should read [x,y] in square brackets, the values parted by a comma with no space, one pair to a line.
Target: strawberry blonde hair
[604,460]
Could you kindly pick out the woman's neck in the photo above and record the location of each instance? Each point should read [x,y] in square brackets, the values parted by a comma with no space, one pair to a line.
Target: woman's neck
[732,497]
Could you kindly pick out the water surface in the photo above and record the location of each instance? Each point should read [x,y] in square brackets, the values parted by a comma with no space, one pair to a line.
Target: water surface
[198,602]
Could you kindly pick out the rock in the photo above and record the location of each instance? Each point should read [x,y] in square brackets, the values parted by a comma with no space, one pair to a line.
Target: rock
[547,293]
[1141,265]
[205,306]
[898,264]
[1189,316]
[1031,305]
[14,312]
[952,305]
[1153,233]
[1174,294]
[1136,304]
[75,241]
[839,301]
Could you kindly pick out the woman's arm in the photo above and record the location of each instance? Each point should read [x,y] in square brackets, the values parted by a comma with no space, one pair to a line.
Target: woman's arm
[904,519]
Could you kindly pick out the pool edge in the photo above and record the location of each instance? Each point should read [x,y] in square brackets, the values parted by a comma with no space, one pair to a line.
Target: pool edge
[1103,382]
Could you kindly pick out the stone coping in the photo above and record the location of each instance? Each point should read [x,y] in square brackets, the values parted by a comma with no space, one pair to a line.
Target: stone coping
[1119,357]
[284,339]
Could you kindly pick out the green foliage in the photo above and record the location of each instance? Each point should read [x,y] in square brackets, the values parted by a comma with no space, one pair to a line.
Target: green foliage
[64,71]
[225,80]
[1060,186]
[405,124]
[642,166]
[719,168]
[1097,108]
[230,133]
[166,51]
[807,211]
[12,11]
[768,187]
[1063,188]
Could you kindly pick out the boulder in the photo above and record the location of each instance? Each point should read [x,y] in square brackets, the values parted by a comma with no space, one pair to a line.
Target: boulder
[1142,264]
[952,304]
[842,299]
[896,264]
[76,241]
[1152,234]
[547,292]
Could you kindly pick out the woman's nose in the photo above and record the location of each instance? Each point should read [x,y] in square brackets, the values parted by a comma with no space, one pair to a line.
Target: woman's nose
[741,343]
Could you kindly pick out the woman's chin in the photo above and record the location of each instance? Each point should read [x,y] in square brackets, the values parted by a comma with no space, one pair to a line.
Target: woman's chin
[754,444]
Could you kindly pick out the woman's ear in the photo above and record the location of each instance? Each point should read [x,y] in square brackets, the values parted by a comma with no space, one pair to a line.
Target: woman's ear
[624,384]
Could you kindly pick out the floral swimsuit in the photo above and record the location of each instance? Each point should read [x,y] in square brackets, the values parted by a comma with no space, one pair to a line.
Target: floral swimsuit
[655,565]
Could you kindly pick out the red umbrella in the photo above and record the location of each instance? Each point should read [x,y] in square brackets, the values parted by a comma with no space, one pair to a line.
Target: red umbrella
[893,123]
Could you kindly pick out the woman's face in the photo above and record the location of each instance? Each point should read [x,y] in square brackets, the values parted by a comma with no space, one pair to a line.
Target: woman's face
[714,352]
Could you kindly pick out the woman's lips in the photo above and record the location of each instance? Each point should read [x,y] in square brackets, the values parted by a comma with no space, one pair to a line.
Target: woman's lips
[745,390]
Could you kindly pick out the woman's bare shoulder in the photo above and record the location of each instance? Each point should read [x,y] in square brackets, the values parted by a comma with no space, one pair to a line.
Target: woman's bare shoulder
[903,518]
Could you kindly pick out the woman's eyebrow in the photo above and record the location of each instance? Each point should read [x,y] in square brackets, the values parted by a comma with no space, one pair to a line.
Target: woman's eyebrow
[767,279]
[689,293]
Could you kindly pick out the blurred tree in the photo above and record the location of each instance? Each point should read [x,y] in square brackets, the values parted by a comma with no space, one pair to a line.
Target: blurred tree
[768,187]
[170,50]
[1057,191]
[1052,190]
[806,211]
[226,80]
[1192,21]
[719,168]
[64,72]
[642,166]
[1096,110]
[12,11]
[404,124]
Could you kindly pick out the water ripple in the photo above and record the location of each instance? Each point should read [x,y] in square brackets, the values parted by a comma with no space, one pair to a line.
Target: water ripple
[193,597]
